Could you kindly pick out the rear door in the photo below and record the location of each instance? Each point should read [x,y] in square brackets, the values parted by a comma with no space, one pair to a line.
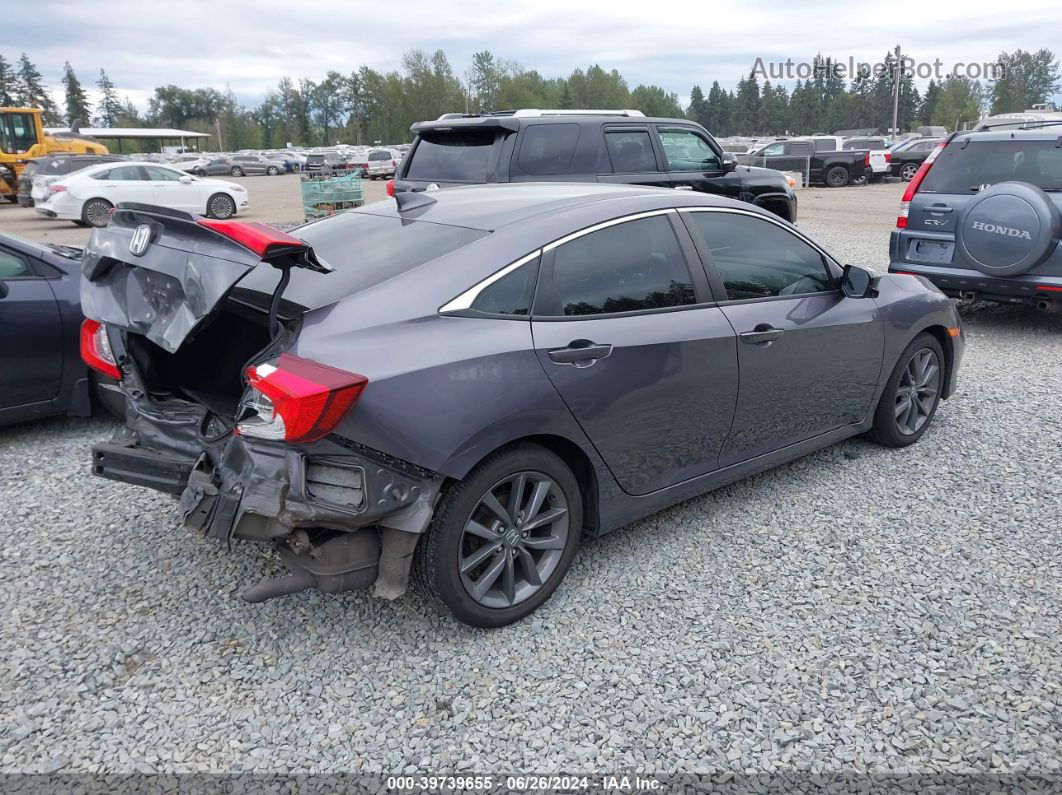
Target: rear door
[125,184]
[809,357]
[693,163]
[628,334]
[629,157]
[31,334]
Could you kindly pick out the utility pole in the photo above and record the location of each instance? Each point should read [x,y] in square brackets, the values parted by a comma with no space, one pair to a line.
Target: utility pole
[896,93]
[217,129]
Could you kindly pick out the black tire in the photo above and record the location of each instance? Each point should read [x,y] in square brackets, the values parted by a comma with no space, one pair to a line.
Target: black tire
[199,172]
[110,401]
[272,171]
[80,223]
[836,177]
[236,171]
[96,212]
[890,428]
[907,171]
[220,206]
[436,565]
[13,198]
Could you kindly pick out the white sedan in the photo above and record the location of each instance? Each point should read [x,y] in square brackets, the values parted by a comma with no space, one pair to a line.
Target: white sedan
[87,196]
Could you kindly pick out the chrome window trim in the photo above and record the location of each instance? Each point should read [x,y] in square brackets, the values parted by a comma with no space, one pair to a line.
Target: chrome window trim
[464,301]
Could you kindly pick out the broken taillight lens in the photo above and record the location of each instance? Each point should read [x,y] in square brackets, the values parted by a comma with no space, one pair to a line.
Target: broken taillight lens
[293,399]
[96,349]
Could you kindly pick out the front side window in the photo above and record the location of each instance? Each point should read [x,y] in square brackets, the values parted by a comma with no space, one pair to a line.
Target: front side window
[632,266]
[548,149]
[687,151]
[631,151]
[774,150]
[162,174]
[759,259]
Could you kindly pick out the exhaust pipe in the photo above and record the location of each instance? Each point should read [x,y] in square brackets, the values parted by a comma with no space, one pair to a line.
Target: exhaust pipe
[335,562]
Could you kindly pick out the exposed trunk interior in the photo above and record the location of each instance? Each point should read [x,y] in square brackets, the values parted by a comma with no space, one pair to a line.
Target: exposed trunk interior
[208,367]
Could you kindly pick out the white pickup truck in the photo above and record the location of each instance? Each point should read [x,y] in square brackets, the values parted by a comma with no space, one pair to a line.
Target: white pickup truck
[879,160]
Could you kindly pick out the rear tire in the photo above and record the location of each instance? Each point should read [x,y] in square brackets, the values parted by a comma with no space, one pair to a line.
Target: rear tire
[912,394]
[908,171]
[220,206]
[837,177]
[96,213]
[272,171]
[480,562]
[236,171]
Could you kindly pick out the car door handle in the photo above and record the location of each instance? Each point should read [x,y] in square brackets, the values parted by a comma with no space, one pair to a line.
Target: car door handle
[763,333]
[939,208]
[580,353]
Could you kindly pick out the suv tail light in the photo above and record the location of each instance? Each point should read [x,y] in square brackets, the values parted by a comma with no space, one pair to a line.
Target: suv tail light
[888,157]
[390,187]
[912,186]
[297,400]
[866,160]
[96,349]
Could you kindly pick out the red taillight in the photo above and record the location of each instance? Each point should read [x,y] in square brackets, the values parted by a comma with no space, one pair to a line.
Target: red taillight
[912,186]
[1049,287]
[262,239]
[390,187]
[298,400]
[96,349]
[394,164]
[56,188]
[866,160]
[888,157]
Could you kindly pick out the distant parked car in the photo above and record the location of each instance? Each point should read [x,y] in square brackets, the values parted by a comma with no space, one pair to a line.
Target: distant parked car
[191,164]
[909,155]
[378,163]
[42,171]
[218,167]
[88,196]
[831,167]
[239,165]
[880,157]
[41,371]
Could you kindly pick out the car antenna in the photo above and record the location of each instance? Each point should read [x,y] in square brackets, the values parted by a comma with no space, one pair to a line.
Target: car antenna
[411,200]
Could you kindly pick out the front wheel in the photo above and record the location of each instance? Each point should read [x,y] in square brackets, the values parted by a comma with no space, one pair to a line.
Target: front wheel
[502,538]
[96,212]
[221,207]
[911,395]
[908,171]
[272,171]
[236,171]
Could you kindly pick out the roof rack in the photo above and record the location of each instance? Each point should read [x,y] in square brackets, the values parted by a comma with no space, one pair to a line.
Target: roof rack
[531,112]
[1020,124]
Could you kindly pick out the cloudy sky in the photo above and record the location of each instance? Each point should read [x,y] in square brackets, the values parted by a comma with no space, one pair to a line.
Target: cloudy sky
[250,44]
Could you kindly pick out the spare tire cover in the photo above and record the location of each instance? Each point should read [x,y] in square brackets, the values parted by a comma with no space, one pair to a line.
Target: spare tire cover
[1008,229]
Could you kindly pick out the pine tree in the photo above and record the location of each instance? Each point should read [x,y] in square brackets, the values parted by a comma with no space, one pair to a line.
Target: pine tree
[30,91]
[7,83]
[78,109]
[110,107]
[717,114]
[698,108]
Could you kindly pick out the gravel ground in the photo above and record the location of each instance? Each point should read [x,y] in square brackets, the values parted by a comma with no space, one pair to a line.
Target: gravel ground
[861,609]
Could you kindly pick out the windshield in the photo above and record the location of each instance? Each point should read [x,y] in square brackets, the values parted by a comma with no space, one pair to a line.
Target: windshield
[365,250]
[969,169]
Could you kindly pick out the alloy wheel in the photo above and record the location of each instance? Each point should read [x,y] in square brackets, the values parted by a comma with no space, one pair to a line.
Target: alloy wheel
[917,392]
[908,172]
[221,207]
[513,539]
[97,213]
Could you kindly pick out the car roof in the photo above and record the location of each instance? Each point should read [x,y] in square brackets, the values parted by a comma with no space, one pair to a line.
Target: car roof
[1046,132]
[516,122]
[492,206]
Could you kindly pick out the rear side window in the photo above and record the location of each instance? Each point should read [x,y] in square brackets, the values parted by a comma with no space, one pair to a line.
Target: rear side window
[982,163]
[122,173]
[758,259]
[632,266]
[548,149]
[631,151]
[460,156]
[385,247]
[825,145]
[511,294]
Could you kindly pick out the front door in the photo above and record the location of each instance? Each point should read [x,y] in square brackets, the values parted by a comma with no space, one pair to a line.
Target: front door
[31,343]
[642,358]
[810,358]
[167,190]
[694,164]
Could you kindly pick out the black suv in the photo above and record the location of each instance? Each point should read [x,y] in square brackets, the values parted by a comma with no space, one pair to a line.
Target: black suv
[981,218]
[584,146]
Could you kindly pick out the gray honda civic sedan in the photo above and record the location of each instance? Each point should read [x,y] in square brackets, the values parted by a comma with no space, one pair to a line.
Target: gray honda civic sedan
[452,388]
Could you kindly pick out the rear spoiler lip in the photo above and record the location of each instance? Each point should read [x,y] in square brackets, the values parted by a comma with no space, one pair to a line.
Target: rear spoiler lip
[504,122]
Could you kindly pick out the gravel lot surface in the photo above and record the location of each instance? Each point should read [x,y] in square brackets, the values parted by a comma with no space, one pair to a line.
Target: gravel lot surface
[861,609]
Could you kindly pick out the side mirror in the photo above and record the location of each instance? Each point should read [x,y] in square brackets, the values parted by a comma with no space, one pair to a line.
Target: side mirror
[729,161]
[857,282]
[186,180]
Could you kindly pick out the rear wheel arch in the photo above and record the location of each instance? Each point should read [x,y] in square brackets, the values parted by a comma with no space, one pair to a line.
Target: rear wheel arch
[777,205]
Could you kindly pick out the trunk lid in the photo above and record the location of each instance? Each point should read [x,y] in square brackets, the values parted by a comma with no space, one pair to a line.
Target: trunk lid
[160,273]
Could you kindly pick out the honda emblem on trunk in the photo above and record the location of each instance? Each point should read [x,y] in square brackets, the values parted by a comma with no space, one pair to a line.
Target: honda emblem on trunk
[141,240]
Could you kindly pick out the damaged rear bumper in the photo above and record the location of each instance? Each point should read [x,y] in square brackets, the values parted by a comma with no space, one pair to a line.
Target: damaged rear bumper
[308,501]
